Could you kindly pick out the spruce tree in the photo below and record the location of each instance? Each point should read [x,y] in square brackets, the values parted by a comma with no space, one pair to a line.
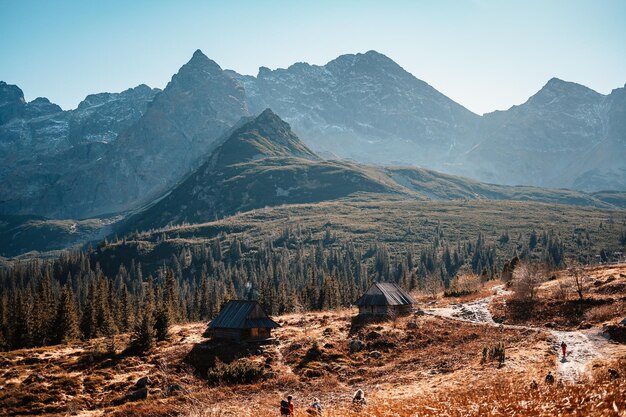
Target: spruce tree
[162,324]
[66,324]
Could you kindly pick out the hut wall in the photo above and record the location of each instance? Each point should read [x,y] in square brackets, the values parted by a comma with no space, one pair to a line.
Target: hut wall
[370,310]
[403,310]
[228,334]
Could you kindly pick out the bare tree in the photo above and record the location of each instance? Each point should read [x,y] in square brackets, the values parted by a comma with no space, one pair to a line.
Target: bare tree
[526,280]
[577,276]
[433,284]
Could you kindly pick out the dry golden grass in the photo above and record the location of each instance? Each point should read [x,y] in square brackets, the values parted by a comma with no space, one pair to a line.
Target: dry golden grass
[428,366]
[558,304]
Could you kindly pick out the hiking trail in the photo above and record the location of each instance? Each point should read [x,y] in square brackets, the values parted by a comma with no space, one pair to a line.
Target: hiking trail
[582,345]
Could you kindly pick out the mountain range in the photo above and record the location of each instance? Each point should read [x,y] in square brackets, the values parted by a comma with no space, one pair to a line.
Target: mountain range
[121,152]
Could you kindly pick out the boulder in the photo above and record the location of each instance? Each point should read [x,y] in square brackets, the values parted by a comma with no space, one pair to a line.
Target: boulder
[140,394]
[142,382]
[34,378]
[372,335]
[375,354]
[356,346]
[174,388]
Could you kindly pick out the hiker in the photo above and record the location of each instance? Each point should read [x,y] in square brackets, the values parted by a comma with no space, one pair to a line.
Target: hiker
[359,397]
[286,406]
[549,378]
[563,348]
[315,408]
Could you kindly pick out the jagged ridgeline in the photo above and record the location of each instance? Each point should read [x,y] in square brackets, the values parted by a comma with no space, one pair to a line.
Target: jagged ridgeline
[118,152]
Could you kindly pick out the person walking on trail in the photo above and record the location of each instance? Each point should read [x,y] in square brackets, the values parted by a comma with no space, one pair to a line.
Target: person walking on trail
[286,406]
[549,378]
[315,409]
[359,398]
[563,348]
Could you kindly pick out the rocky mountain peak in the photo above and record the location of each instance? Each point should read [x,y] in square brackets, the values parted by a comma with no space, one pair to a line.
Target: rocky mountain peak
[11,102]
[200,62]
[557,90]
[267,135]
[370,61]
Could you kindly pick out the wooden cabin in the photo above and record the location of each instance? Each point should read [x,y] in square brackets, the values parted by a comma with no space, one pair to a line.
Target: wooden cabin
[385,299]
[242,321]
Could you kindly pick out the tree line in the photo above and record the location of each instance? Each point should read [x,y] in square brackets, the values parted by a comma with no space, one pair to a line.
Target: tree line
[85,294]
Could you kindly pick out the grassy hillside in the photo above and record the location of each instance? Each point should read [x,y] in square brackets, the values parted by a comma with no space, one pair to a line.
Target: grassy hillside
[21,234]
[403,225]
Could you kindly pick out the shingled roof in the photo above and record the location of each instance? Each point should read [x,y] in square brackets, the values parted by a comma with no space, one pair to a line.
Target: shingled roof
[384,294]
[242,314]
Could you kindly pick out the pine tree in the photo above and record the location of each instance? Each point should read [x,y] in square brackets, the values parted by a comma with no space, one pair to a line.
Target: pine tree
[162,324]
[144,332]
[66,324]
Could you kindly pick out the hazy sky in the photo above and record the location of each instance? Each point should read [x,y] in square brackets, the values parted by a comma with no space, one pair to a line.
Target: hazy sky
[484,54]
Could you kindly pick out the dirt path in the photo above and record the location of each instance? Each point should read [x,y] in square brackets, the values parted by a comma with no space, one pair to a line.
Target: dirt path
[582,346]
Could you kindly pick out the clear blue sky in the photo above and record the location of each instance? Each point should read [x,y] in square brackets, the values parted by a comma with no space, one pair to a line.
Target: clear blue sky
[485,54]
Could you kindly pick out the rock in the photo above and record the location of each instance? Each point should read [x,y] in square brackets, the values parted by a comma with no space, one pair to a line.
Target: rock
[411,325]
[11,373]
[613,374]
[551,325]
[327,331]
[419,312]
[585,325]
[373,335]
[356,346]
[174,388]
[375,354]
[142,382]
[34,378]
[140,394]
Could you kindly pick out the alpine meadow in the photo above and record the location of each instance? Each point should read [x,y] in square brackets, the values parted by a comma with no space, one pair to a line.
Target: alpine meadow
[330,235]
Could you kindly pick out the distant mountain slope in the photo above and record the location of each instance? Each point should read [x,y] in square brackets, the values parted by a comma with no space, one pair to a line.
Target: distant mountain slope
[261,164]
[39,142]
[178,128]
[365,107]
[22,234]
[566,136]
[119,152]
[264,164]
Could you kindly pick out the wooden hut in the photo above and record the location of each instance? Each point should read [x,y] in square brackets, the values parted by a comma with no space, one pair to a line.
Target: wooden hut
[385,299]
[242,321]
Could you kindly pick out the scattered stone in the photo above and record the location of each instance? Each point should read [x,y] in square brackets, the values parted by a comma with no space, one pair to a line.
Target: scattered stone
[411,325]
[327,331]
[373,335]
[142,382]
[140,394]
[585,325]
[11,373]
[375,354]
[613,374]
[551,325]
[356,346]
[34,378]
[174,388]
